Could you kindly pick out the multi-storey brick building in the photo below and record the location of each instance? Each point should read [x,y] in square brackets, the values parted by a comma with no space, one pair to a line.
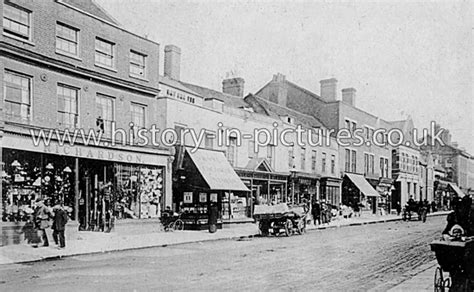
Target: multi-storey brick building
[363,167]
[68,65]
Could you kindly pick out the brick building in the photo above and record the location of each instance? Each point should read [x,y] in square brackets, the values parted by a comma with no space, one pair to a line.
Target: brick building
[68,65]
[363,167]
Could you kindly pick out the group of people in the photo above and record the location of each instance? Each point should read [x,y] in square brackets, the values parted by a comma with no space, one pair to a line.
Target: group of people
[322,212]
[35,228]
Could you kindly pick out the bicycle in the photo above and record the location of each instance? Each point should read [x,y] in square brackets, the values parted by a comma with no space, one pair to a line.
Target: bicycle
[176,225]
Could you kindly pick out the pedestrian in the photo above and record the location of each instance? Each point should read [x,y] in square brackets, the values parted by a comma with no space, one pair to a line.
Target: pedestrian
[59,225]
[433,206]
[398,208]
[356,208]
[30,232]
[316,212]
[42,215]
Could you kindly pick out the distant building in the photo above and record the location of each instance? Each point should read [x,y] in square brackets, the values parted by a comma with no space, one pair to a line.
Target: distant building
[365,169]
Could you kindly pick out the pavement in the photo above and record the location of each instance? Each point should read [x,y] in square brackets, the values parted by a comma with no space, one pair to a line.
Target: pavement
[422,279]
[98,242]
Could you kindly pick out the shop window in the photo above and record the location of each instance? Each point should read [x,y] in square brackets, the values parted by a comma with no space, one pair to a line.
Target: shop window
[67,105]
[137,64]
[16,21]
[67,39]
[104,53]
[139,191]
[17,89]
[105,113]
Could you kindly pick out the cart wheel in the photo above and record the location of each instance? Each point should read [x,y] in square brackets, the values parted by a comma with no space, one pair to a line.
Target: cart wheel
[288,227]
[301,227]
[438,280]
[179,225]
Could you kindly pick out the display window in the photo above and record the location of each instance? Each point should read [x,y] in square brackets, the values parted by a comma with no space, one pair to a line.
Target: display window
[28,175]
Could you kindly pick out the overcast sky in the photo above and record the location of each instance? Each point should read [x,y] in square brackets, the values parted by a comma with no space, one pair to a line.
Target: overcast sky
[403,58]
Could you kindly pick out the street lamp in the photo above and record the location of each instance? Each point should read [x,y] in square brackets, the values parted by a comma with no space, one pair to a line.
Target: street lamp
[293,176]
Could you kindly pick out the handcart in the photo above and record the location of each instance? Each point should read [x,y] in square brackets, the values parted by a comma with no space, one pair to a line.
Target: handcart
[280,219]
[457,259]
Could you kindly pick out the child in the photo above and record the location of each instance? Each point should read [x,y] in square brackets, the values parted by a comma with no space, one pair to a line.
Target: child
[30,232]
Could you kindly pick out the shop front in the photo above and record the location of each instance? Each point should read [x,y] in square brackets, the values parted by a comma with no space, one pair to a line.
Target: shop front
[206,178]
[265,184]
[330,190]
[357,190]
[442,196]
[303,187]
[384,187]
[100,186]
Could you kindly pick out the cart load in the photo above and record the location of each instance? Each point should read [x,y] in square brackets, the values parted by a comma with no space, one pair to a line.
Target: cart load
[280,219]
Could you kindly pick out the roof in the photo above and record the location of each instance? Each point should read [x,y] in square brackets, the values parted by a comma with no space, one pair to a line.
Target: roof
[275,110]
[259,164]
[216,170]
[91,7]
[177,84]
[229,100]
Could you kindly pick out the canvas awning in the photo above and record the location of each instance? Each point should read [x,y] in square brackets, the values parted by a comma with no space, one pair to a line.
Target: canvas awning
[363,185]
[216,170]
[457,190]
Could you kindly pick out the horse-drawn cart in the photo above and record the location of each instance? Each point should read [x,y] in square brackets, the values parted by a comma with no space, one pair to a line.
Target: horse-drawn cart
[457,259]
[280,219]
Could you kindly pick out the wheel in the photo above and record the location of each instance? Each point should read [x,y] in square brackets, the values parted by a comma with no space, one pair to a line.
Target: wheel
[179,225]
[301,227]
[288,227]
[438,280]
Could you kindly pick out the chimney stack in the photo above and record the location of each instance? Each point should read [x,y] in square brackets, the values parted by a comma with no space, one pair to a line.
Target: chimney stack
[349,96]
[172,62]
[233,86]
[328,89]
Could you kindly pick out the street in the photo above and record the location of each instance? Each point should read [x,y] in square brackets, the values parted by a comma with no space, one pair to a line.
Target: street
[374,256]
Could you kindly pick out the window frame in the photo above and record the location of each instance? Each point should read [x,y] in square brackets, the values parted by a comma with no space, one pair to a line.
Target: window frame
[77,90]
[112,99]
[131,63]
[29,116]
[113,53]
[77,43]
[17,35]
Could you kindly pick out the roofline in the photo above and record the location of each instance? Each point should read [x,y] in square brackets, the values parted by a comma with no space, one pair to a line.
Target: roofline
[104,21]
[188,90]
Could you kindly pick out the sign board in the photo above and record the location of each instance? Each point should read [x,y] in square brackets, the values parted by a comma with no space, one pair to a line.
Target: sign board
[188,197]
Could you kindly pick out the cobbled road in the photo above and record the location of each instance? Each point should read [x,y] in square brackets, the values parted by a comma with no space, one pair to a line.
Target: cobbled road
[358,258]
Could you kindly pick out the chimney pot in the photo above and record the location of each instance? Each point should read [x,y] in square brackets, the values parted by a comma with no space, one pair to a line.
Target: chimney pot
[328,89]
[349,95]
[233,86]
[172,62]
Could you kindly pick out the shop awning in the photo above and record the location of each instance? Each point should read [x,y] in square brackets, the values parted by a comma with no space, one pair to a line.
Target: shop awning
[457,190]
[216,170]
[363,185]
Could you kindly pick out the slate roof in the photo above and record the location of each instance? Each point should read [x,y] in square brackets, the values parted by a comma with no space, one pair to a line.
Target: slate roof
[91,7]
[178,85]
[275,110]
[229,100]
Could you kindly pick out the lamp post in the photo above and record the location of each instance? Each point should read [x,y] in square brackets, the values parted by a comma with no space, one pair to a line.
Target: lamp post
[293,176]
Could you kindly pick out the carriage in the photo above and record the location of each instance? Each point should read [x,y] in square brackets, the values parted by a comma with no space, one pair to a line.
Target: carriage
[414,208]
[280,219]
[456,259]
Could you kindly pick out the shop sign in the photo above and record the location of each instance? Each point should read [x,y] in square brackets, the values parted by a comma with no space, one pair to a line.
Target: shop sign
[188,197]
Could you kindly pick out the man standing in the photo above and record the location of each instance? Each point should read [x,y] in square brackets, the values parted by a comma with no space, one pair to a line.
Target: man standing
[42,215]
[59,225]
[316,212]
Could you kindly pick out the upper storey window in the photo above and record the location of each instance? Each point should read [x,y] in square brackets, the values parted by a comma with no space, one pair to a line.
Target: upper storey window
[16,21]
[67,39]
[137,64]
[104,53]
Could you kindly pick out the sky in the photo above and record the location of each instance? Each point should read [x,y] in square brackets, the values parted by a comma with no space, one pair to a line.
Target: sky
[404,58]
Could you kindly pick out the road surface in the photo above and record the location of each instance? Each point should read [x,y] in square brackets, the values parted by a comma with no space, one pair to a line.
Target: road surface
[357,258]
